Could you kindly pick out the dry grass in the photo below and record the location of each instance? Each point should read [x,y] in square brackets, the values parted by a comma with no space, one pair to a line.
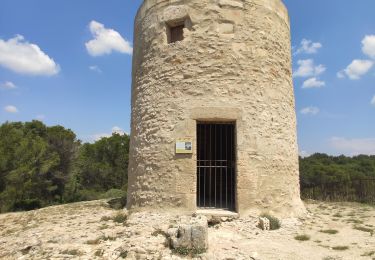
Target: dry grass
[302,237]
[329,231]
[340,248]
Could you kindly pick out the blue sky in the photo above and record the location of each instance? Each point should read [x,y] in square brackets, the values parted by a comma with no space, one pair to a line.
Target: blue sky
[69,63]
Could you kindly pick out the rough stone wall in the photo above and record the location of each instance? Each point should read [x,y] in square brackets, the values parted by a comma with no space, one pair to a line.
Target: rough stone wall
[233,64]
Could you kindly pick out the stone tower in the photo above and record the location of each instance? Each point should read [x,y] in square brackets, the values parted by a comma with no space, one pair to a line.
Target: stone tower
[213,112]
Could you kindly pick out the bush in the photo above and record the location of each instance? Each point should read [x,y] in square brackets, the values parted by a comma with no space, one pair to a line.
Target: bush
[120,218]
[340,248]
[302,237]
[113,193]
[330,231]
[274,222]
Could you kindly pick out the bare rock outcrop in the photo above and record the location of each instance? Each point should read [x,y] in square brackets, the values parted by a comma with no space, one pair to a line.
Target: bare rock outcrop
[191,236]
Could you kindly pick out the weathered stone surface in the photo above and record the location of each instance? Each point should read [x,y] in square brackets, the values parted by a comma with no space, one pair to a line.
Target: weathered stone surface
[264,224]
[234,64]
[231,3]
[193,235]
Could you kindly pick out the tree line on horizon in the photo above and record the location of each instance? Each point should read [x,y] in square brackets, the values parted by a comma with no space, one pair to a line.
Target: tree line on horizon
[42,166]
[338,178]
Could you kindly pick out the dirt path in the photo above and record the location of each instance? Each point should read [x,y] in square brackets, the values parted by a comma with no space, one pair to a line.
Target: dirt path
[91,230]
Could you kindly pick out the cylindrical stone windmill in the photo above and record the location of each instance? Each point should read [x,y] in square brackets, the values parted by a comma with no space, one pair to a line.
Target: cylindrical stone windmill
[213,112]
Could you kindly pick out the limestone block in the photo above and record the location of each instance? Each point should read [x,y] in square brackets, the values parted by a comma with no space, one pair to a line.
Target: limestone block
[231,3]
[174,13]
[193,235]
[226,28]
[264,224]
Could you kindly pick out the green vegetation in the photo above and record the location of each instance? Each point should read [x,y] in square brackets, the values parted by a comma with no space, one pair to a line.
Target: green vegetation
[120,218]
[340,248]
[302,237]
[371,253]
[329,231]
[340,178]
[42,166]
[274,222]
[183,251]
[364,229]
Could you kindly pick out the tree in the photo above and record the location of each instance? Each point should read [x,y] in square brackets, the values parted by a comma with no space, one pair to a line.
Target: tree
[101,166]
[35,161]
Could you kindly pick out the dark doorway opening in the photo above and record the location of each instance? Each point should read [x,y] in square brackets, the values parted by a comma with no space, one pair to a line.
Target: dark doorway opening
[216,165]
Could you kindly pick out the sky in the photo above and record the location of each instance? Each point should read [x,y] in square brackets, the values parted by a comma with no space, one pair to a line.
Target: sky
[68,62]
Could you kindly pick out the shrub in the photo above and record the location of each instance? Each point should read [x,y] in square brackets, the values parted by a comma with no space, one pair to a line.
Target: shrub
[117,203]
[302,237]
[120,218]
[124,254]
[113,193]
[340,248]
[105,218]
[329,231]
[371,253]
[364,229]
[193,252]
[99,252]
[274,222]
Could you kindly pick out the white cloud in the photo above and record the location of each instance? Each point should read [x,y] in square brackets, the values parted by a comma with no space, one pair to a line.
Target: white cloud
[95,68]
[353,146]
[368,45]
[341,74]
[11,109]
[310,110]
[313,83]
[23,57]
[118,130]
[106,40]
[115,130]
[40,117]
[356,69]
[8,85]
[308,47]
[307,68]
[304,154]
[373,101]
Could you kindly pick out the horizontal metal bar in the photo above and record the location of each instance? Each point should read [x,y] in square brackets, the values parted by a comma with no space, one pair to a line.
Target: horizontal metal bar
[227,167]
[214,161]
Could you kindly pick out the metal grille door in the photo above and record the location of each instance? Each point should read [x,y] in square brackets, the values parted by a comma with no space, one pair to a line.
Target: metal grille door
[216,165]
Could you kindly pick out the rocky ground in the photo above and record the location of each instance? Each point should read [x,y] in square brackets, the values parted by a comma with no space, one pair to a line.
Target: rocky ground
[92,230]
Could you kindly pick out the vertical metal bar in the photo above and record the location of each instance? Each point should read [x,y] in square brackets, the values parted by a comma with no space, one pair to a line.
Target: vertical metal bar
[198,164]
[204,170]
[226,168]
[231,166]
[199,185]
[215,158]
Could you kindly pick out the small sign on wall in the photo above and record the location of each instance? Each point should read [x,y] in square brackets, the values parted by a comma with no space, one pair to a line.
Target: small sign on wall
[184,146]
